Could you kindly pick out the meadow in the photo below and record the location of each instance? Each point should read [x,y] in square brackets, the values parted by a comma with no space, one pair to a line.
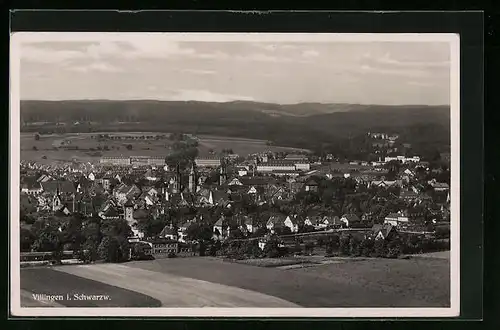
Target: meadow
[49,281]
[48,148]
[421,282]
[207,281]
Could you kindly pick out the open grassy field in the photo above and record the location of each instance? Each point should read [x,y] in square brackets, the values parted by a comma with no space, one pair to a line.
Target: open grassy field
[413,280]
[52,282]
[363,283]
[46,145]
[240,146]
[212,282]
[173,290]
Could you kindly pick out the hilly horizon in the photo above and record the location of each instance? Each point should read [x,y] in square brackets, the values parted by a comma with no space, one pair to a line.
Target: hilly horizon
[303,125]
[303,109]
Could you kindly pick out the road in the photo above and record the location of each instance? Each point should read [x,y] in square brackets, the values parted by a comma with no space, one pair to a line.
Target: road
[173,290]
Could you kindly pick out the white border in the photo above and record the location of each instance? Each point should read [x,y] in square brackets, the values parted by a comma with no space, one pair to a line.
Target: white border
[14,171]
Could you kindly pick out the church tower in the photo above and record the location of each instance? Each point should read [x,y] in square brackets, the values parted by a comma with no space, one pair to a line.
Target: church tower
[222,174]
[56,201]
[177,182]
[192,179]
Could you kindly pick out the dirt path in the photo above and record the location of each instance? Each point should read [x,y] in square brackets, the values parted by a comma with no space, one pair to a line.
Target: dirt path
[172,290]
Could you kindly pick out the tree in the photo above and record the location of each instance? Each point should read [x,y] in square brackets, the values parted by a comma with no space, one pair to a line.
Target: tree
[200,232]
[72,232]
[49,240]
[37,137]
[151,226]
[113,249]
[261,231]
[380,248]
[272,249]
[116,227]
[236,233]
[394,248]
[306,229]
[109,249]
[367,247]
[309,248]
[333,244]
[26,240]
[355,246]
[283,230]
[344,246]
[129,147]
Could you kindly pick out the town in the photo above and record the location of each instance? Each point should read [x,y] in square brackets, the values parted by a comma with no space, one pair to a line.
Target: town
[266,204]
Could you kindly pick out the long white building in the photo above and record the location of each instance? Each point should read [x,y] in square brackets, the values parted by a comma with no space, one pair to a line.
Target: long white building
[133,160]
[208,161]
[283,166]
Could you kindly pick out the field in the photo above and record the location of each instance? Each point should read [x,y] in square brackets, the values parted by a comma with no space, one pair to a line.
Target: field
[196,282]
[240,146]
[46,145]
[49,281]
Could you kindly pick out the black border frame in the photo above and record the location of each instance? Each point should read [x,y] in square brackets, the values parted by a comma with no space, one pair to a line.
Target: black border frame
[469,25]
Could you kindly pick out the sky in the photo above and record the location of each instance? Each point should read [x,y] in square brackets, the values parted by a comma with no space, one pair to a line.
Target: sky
[282,72]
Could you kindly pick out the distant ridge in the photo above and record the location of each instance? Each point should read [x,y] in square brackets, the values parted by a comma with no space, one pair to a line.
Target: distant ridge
[299,109]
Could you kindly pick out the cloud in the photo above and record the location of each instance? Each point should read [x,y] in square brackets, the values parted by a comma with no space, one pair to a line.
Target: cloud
[152,48]
[139,48]
[310,53]
[421,84]
[365,68]
[275,46]
[96,66]
[217,55]
[259,57]
[200,72]
[205,96]
[387,59]
[43,55]
[104,49]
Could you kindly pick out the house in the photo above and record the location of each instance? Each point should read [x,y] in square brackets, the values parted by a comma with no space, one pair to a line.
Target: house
[182,231]
[32,188]
[242,171]
[246,223]
[350,219]
[169,232]
[44,178]
[330,222]
[124,192]
[162,247]
[292,222]
[396,219]
[91,176]
[409,196]
[311,185]
[150,175]
[235,181]
[275,222]
[58,186]
[384,231]
[314,221]
[439,186]
[221,228]
[109,211]
[219,197]
[386,184]
[151,191]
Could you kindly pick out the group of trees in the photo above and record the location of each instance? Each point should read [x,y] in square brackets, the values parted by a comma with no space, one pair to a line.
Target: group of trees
[90,239]
[391,247]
